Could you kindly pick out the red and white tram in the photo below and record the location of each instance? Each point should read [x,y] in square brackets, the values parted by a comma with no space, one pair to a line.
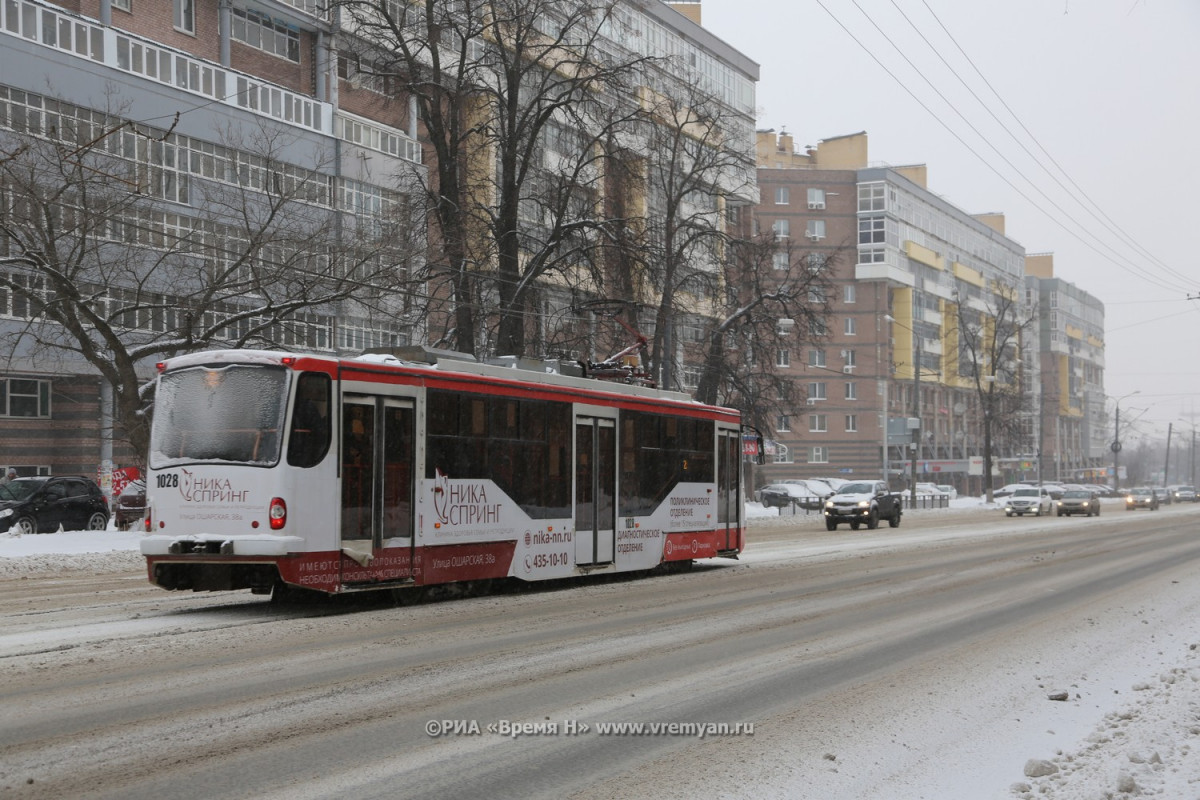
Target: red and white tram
[270,469]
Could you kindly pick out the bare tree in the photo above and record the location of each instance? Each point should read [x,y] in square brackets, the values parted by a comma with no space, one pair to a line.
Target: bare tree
[113,257]
[693,168]
[989,341]
[768,310]
[517,98]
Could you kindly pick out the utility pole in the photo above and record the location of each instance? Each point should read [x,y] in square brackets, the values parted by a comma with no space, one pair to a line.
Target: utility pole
[1116,443]
[1167,464]
[916,446]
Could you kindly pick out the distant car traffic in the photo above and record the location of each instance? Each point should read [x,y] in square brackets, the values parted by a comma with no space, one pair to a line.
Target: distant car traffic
[1034,500]
[44,504]
[948,490]
[1141,497]
[1182,494]
[1078,501]
[1163,495]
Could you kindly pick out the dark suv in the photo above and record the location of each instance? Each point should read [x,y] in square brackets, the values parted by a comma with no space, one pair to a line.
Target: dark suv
[43,504]
[862,501]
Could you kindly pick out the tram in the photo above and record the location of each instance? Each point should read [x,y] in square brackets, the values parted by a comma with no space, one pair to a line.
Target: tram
[271,470]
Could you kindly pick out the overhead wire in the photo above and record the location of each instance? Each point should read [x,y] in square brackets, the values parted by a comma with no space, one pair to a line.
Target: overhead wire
[1081,239]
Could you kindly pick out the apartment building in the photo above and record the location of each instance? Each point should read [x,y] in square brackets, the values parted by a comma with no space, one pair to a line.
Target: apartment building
[893,386]
[1075,429]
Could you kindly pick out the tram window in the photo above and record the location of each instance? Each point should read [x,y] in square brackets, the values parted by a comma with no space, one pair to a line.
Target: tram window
[310,435]
[520,445]
[658,452]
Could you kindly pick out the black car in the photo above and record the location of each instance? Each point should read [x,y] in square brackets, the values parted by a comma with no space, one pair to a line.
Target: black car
[130,506]
[44,504]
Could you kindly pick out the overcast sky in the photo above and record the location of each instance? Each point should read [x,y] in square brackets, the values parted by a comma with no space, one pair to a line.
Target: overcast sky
[1077,119]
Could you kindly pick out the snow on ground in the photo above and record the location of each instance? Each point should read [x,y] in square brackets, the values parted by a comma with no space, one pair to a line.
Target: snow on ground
[1129,726]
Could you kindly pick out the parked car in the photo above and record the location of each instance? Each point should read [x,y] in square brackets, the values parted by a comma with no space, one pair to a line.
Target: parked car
[44,504]
[1078,501]
[948,490]
[1006,491]
[782,495]
[1100,491]
[1182,494]
[130,506]
[863,501]
[1141,497]
[928,488]
[1034,500]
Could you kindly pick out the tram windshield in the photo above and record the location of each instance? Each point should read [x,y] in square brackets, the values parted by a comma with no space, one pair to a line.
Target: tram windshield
[208,413]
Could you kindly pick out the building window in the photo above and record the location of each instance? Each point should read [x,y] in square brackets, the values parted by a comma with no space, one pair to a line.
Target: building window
[851,423]
[781,228]
[849,295]
[783,454]
[851,359]
[872,255]
[24,397]
[816,198]
[815,229]
[783,424]
[780,260]
[851,326]
[851,391]
[185,15]
[123,5]
[816,294]
[782,196]
[818,423]
[817,328]
[872,230]
[816,262]
[819,455]
[816,358]
[816,390]
[783,358]
[260,31]
[871,197]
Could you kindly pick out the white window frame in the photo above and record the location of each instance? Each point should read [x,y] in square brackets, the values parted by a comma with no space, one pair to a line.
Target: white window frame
[185,16]
[818,455]
[816,390]
[781,228]
[818,423]
[851,423]
[816,198]
[783,424]
[783,196]
[851,390]
[851,326]
[783,453]
[814,229]
[816,358]
[849,293]
[783,359]
[779,260]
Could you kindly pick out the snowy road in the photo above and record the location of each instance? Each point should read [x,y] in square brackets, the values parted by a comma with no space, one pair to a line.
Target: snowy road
[904,663]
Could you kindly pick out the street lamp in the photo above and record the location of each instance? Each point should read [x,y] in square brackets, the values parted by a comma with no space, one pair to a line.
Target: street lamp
[1116,443]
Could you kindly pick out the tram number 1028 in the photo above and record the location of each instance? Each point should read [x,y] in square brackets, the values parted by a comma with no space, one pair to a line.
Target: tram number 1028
[167,481]
[550,560]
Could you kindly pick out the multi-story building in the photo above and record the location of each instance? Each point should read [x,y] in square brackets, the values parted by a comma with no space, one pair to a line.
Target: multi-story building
[1075,430]
[202,78]
[912,274]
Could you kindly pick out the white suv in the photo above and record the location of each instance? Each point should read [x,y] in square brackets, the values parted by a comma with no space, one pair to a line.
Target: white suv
[1029,500]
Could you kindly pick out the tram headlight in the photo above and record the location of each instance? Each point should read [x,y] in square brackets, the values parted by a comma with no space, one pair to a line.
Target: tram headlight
[277,513]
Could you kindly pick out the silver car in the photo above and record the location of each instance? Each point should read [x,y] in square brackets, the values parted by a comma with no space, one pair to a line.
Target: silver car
[1028,500]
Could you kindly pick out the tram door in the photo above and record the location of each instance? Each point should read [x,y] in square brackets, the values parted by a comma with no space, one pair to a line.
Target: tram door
[729,483]
[377,475]
[595,489]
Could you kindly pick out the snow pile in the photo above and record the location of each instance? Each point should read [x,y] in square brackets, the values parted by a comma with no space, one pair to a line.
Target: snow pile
[43,554]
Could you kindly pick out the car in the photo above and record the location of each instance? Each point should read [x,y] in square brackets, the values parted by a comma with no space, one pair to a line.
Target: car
[130,506]
[928,488]
[1078,501]
[1141,497]
[1006,491]
[948,490]
[863,501]
[1034,500]
[783,495]
[1100,491]
[1182,494]
[1163,495]
[43,504]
